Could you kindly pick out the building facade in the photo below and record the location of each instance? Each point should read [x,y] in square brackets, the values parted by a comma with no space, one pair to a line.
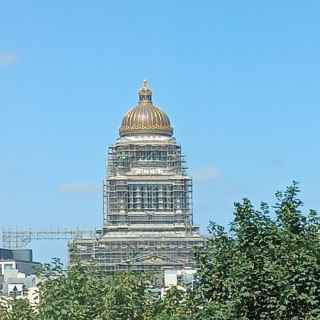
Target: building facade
[17,272]
[148,216]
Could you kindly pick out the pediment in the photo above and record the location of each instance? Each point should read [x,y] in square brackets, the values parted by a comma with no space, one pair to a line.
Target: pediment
[152,259]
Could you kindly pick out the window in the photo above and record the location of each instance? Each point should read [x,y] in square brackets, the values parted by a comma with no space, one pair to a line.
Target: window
[8,266]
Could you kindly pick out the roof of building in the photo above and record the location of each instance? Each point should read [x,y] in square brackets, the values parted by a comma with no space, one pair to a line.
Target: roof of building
[145,118]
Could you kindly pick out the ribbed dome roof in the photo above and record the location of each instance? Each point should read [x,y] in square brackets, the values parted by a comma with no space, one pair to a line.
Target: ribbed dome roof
[145,118]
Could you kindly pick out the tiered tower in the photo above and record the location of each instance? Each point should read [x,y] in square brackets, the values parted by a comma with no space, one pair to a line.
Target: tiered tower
[148,219]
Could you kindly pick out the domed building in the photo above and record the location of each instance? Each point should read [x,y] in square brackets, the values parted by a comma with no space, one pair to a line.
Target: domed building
[148,217]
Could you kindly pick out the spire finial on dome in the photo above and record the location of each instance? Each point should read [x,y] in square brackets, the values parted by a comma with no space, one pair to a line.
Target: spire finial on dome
[145,93]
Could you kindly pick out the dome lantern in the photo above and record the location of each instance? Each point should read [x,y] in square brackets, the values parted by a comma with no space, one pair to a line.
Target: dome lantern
[145,93]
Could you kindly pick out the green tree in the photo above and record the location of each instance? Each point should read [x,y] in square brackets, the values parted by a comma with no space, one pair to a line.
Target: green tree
[74,294]
[174,306]
[83,293]
[264,268]
[128,297]
[3,309]
[20,309]
[16,309]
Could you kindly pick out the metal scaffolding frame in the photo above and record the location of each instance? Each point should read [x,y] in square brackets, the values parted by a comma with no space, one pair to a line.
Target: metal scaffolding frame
[148,217]
[125,198]
[122,157]
[125,254]
[17,239]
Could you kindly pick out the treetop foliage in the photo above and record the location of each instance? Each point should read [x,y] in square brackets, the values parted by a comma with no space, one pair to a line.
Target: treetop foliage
[266,266]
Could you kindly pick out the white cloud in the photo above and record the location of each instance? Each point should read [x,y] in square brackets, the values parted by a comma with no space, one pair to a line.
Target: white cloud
[79,188]
[7,58]
[206,174]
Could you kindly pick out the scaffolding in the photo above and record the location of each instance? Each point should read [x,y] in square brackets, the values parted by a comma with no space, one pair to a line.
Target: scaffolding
[17,239]
[139,253]
[123,157]
[153,180]
[148,217]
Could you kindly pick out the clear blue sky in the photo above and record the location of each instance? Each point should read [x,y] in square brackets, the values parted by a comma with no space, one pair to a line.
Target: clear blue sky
[239,79]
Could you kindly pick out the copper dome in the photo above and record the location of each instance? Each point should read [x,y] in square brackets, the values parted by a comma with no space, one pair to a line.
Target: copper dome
[145,118]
